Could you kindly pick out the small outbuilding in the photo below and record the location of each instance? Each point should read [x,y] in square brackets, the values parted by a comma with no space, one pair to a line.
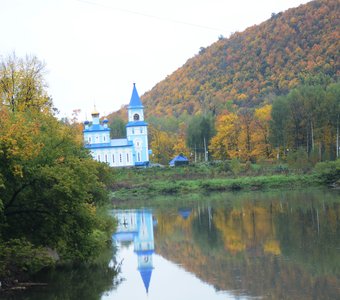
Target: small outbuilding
[179,160]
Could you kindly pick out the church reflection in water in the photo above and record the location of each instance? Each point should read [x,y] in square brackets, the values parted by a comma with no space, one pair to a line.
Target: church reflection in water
[137,226]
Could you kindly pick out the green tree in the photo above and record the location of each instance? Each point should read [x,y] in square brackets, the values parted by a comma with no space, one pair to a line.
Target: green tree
[22,84]
[50,186]
[118,129]
[199,132]
[50,194]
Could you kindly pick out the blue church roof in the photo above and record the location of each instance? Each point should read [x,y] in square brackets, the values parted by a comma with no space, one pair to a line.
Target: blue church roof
[135,100]
[185,212]
[145,252]
[179,158]
[111,144]
[146,276]
[96,127]
[124,236]
[136,123]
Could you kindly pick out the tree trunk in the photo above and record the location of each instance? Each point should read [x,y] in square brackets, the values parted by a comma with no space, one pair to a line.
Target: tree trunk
[337,137]
[307,142]
[195,154]
[312,133]
[320,154]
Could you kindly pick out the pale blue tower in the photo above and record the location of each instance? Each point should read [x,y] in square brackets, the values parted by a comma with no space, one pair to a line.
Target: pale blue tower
[137,129]
[144,246]
[137,226]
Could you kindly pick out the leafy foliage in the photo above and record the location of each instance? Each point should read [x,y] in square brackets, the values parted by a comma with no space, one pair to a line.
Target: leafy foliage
[18,256]
[118,129]
[199,132]
[328,172]
[50,186]
[307,117]
[22,84]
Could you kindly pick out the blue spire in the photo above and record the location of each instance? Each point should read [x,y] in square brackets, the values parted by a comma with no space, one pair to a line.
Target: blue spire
[146,276]
[135,100]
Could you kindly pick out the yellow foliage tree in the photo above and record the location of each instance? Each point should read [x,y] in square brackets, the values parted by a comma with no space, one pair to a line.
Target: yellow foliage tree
[162,145]
[224,144]
[260,135]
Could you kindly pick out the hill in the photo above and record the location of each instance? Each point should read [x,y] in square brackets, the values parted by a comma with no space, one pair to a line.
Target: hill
[249,68]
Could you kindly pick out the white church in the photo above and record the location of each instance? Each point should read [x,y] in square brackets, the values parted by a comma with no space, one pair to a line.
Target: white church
[130,151]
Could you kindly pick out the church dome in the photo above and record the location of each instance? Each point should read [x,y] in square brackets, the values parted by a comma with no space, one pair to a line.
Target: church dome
[95,112]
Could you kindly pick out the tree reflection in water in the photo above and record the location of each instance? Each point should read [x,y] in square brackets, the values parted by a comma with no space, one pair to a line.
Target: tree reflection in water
[283,245]
[85,282]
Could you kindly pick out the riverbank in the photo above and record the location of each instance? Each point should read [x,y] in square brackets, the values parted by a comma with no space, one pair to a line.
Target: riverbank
[183,182]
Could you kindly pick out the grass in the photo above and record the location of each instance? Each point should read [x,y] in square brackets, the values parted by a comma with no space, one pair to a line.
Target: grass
[143,183]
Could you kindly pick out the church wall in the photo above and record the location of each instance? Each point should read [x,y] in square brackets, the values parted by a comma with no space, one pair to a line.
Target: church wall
[115,157]
[97,137]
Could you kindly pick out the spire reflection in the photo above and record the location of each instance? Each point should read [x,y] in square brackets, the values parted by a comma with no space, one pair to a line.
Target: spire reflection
[137,226]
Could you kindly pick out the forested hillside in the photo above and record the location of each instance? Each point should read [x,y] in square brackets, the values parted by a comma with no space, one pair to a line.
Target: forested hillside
[265,93]
[249,68]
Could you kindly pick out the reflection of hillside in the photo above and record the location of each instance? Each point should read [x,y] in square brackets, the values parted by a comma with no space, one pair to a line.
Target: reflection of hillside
[273,249]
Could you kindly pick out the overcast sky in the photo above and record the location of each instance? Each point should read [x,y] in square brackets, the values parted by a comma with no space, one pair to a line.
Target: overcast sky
[95,49]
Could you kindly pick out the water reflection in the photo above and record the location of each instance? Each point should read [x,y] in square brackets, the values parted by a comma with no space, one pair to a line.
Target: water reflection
[137,226]
[255,245]
[283,245]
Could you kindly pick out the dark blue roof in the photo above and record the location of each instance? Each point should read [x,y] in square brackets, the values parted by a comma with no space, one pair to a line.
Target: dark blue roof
[179,158]
[136,123]
[135,100]
[144,252]
[108,145]
[185,212]
[96,127]
[146,276]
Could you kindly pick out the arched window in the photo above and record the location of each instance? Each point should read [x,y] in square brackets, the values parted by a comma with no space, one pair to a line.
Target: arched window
[138,156]
[90,139]
[136,117]
[120,158]
[113,158]
[127,157]
[105,157]
[98,157]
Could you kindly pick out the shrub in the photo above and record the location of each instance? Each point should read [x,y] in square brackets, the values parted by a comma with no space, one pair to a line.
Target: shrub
[329,171]
[298,160]
[19,256]
[235,166]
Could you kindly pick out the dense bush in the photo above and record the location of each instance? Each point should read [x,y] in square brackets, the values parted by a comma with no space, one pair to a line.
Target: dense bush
[328,172]
[19,256]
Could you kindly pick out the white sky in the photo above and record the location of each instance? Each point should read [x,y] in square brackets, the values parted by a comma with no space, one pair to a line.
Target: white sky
[96,49]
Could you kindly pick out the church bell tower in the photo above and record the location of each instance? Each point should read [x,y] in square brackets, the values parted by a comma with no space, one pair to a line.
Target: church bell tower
[137,129]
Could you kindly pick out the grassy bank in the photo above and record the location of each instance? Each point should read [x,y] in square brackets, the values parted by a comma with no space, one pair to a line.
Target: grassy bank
[148,182]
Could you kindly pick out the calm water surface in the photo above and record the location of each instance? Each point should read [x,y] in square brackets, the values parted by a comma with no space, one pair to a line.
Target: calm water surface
[282,245]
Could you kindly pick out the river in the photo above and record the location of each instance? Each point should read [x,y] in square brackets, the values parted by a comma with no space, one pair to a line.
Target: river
[255,245]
